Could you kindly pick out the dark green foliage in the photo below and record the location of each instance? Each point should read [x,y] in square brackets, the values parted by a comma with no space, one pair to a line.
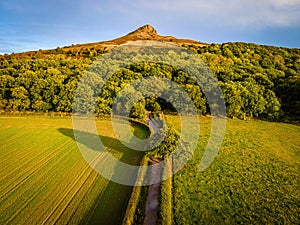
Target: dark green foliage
[269,74]
[39,84]
[169,144]
[138,111]
[257,81]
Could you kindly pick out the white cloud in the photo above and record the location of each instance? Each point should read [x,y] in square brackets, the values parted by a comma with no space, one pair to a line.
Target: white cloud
[282,3]
[259,13]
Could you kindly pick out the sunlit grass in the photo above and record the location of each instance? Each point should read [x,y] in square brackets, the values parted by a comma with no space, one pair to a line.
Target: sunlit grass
[254,178]
[44,178]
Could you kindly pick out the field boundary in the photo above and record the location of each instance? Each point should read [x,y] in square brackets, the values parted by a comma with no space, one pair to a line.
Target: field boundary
[165,216]
[135,195]
[136,191]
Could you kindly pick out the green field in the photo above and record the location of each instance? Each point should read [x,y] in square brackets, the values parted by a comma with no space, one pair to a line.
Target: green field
[44,179]
[253,180]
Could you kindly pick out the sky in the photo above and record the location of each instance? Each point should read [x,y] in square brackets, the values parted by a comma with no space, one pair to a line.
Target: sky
[39,24]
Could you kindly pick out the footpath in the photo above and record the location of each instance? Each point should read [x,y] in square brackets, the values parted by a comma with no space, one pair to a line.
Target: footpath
[152,203]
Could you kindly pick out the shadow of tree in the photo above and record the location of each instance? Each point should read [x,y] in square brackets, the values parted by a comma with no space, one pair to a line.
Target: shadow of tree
[112,145]
[110,206]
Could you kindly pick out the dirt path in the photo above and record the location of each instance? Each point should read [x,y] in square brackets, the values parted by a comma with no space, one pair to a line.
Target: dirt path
[152,202]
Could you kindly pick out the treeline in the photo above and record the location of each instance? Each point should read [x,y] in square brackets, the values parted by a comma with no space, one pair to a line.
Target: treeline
[256,77]
[39,85]
[257,81]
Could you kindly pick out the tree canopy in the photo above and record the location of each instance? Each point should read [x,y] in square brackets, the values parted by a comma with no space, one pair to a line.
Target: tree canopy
[256,80]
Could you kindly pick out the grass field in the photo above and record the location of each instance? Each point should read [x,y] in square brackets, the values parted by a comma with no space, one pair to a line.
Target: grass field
[44,179]
[253,180]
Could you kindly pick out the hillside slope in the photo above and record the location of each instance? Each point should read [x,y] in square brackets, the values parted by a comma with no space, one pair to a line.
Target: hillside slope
[146,32]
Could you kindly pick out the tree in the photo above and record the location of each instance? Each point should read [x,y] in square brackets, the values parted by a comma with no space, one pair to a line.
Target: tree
[235,97]
[84,100]
[138,110]
[19,99]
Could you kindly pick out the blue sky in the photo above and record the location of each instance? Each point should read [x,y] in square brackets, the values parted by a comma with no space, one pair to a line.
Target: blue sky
[38,24]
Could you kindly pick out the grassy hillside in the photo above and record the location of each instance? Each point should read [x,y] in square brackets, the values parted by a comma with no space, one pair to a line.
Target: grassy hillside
[253,180]
[44,179]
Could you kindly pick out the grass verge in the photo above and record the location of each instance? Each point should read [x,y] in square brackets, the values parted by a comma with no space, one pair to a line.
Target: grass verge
[165,216]
[134,212]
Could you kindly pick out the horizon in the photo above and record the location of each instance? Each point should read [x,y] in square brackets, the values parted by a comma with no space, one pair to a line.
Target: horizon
[48,25]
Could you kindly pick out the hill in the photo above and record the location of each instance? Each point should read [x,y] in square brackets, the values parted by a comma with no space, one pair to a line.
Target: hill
[146,32]
[253,179]
[257,81]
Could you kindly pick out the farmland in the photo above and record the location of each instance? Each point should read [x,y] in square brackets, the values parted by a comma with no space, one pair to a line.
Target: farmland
[253,180]
[44,179]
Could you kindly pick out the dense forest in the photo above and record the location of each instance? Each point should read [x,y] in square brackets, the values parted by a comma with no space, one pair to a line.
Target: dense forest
[257,81]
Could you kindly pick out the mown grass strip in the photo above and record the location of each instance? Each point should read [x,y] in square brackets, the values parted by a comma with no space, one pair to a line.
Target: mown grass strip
[7,144]
[40,205]
[72,191]
[44,184]
[30,183]
[27,194]
[30,142]
[48,200]
[94,192]
[70,208]
[29,171]
[26,157]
